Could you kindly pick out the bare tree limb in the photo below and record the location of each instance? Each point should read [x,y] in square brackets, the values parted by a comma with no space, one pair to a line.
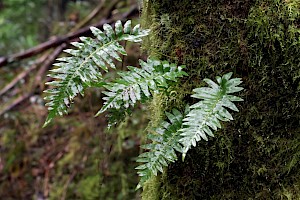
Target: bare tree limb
[16,102]
[50,59]
[89,17]
[63,39]
[39,76]
[23,74]
[44,57]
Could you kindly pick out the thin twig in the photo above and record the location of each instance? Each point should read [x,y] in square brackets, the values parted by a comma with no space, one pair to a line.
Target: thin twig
[19,77]
[23,74]
[16,102]
[67,185]
[86,20]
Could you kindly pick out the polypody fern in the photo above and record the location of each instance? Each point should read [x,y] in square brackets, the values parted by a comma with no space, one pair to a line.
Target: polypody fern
[206,115]
[175,135]
[184,131]
[165,140]
[136,84]
[83,68]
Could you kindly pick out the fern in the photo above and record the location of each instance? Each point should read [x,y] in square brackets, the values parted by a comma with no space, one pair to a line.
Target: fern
[136,84]
[206,115]
[83,68]
[165,140]
[183,132]
[179,132]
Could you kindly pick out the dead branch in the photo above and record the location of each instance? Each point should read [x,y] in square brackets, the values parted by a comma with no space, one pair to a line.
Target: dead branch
[47,65]
[50,59]
[23,74]
[56,41]
[89,17]
[43,69]
[42,59]
[16,102]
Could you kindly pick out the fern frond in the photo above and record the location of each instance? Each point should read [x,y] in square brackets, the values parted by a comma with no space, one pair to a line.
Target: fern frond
[165,141]
[83,68]
[136,84]
[205,116]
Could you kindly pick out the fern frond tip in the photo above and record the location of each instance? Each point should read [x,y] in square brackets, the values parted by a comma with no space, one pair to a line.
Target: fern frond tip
[205,116]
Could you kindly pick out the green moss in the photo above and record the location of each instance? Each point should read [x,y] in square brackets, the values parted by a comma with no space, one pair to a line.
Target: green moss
[152,189]
[88,188]
[257,155]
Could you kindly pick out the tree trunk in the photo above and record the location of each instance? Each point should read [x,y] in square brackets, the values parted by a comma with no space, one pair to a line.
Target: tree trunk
[257,155]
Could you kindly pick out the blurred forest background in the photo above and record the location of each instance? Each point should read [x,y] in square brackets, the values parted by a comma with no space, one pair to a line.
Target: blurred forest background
[76,157]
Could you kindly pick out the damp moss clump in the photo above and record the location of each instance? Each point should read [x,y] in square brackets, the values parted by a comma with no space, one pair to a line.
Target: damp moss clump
[257,155]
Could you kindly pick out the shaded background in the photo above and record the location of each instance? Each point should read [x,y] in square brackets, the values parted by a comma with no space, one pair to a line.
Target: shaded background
[76,156]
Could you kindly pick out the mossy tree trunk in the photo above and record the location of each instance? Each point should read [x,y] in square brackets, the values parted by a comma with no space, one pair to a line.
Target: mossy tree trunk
[257,156]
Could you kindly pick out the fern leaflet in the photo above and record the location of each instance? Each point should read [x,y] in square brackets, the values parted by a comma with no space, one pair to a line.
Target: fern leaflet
[165,140]
[206,115]
[83,68]
[136,84]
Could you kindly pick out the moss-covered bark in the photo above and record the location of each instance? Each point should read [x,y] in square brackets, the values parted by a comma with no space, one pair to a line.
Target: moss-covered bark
[257,156]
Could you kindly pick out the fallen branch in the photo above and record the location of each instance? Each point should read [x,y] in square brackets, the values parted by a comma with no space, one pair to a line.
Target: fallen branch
[16,102]
[86,20]
[45,67]
[23,74]
[19,77]
[56,41]
[50,59]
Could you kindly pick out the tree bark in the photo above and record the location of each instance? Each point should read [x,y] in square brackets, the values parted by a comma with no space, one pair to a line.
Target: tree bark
[257,155]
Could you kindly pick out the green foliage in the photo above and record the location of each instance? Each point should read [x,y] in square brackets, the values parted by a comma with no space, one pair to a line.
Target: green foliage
[83,68]
[165,140]
[89,187]
[179,133]
[136,84]
[183,132]
[207,114]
